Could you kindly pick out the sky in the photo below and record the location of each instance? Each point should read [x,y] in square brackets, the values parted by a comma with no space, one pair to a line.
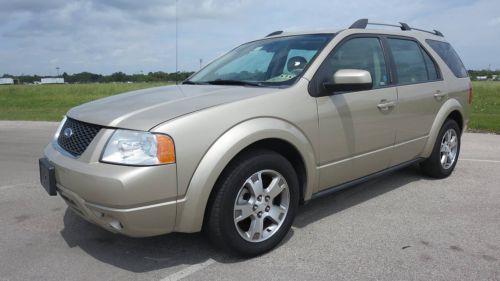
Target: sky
[106,36]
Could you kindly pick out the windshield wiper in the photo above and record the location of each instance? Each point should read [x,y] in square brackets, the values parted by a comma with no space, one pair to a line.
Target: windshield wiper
[189,82]
[232,82]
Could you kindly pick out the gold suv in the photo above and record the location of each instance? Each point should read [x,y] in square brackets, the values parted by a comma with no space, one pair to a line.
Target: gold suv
[274,123]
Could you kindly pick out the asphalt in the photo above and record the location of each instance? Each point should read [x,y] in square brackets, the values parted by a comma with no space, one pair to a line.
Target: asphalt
[402,226]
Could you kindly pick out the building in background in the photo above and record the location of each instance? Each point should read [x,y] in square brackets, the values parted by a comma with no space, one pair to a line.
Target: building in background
[6,81]
[52,81]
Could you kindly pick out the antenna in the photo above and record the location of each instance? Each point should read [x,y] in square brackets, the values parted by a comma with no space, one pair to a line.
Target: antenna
[274,33]
[176,45]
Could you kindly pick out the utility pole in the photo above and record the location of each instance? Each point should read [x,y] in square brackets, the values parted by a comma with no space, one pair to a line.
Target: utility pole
[176,44]
[201,63]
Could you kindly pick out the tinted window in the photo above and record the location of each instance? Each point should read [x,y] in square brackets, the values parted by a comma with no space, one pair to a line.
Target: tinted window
[358,53]
[410,63]
[450,57]
[432,72]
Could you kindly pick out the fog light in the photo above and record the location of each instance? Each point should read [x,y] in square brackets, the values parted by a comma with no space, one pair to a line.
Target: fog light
[116,225]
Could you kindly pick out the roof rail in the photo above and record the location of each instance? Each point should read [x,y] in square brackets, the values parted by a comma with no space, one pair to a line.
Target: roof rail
[362,23]
[275,33]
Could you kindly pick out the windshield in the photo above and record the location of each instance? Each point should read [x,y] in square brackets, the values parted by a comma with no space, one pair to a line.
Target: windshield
[267,62]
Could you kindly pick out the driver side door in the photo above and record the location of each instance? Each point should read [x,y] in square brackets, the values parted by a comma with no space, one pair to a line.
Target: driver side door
[357,128]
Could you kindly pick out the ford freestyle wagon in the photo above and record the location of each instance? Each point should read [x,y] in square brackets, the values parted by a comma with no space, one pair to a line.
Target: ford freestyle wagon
[274,123]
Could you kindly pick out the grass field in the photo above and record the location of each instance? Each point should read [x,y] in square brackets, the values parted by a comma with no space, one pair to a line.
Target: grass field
[51,102]
[486,106]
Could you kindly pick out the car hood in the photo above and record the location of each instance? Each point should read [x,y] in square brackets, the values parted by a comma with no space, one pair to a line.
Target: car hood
[144,109]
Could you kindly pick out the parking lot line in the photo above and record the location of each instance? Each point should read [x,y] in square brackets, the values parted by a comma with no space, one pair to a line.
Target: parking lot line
[479,160]
[188,271]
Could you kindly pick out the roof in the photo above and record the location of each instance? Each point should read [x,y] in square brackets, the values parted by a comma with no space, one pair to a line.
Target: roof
[402,29]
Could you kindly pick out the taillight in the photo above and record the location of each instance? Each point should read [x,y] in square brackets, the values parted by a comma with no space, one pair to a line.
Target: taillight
[470,93]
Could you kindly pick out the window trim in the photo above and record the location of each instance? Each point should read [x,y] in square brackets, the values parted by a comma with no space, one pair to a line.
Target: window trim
[313,84]
[422,48]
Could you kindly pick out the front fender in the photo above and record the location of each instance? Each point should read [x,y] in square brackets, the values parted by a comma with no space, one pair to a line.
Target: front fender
[448,107]
[190,212]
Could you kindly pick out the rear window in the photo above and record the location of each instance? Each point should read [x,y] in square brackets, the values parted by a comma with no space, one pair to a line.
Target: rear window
[410,64]
[450,57]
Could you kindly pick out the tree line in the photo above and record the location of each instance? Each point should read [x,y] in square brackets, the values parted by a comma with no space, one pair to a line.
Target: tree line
[160,76]
[88,77]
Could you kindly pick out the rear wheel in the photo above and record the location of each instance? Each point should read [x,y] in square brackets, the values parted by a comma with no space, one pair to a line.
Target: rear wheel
[255,204]
[445,152]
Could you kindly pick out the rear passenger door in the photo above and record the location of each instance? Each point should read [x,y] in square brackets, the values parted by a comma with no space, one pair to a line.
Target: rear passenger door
[420,90]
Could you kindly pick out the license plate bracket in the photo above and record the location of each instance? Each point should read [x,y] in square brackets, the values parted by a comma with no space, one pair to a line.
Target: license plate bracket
[47,176]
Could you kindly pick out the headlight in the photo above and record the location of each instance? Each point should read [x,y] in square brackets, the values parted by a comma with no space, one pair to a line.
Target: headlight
[56,136]
[139,148]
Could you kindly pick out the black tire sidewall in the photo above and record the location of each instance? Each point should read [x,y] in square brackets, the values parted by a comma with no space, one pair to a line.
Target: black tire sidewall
[232,183]
[435,158]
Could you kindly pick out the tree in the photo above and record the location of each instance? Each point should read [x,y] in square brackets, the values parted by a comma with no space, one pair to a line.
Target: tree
[119,77]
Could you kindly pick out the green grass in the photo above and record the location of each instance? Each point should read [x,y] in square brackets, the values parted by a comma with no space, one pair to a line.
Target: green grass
[486,106]
[51,102]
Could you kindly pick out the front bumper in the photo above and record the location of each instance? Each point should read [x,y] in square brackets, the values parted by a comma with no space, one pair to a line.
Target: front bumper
[134,201]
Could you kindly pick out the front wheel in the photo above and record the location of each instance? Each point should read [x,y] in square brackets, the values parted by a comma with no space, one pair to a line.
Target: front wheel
[445,152]
[255,203]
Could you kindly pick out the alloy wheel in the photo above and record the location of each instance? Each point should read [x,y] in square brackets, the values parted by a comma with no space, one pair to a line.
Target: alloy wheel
[449,148]
[261,206]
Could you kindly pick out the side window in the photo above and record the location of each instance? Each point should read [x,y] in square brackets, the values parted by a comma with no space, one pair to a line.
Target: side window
[432,72]
[410,64]
[450,57]
[358,53]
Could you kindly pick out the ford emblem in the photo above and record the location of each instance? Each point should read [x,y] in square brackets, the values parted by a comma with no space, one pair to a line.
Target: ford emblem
[68,132]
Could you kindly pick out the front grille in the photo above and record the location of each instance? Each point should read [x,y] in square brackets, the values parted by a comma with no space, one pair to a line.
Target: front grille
[75,136]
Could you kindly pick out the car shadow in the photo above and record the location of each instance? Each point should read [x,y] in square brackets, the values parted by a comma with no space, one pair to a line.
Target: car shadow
[160,252]
[139,254]
[330,204]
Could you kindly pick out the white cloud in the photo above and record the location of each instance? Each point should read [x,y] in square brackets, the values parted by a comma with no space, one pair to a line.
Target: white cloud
[494,21]
[121,35]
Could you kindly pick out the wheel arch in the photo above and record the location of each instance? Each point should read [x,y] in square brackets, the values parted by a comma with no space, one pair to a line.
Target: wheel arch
[267,133]
[457,116]
[450,109]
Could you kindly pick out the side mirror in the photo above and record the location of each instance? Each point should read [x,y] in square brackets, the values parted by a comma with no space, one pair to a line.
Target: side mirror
[349,80]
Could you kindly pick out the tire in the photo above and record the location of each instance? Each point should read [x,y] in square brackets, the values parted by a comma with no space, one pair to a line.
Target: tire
[434,166]
[236,211]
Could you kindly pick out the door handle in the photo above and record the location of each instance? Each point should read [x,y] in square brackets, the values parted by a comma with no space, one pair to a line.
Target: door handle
[386,105]
[440,95]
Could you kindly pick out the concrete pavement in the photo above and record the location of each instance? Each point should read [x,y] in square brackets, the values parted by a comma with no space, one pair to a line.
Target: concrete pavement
[402,226]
